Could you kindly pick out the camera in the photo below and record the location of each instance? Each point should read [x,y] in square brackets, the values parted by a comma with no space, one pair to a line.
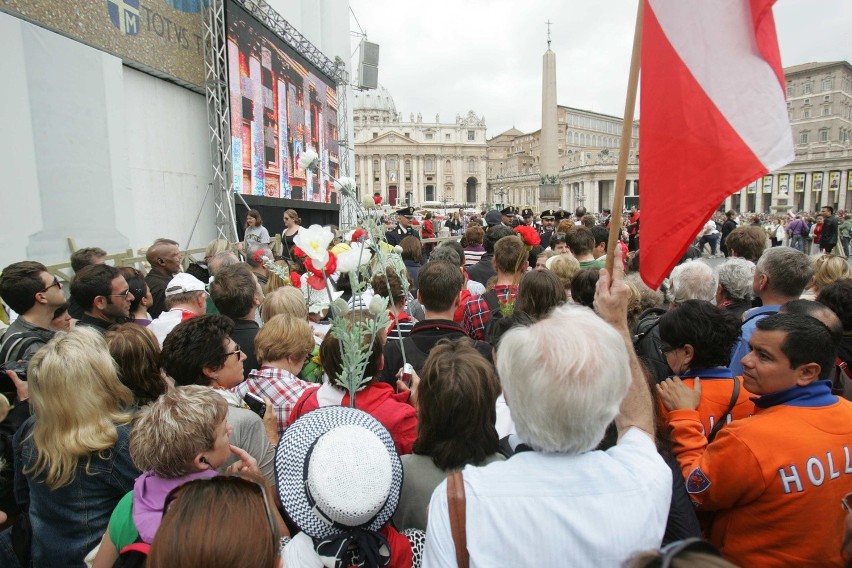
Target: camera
[19,368]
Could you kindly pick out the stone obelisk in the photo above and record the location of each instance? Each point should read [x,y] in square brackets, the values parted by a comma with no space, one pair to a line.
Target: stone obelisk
[549,190]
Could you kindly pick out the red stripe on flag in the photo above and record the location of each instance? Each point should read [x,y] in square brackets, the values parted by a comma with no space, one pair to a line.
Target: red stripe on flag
[767,39]
[691,158]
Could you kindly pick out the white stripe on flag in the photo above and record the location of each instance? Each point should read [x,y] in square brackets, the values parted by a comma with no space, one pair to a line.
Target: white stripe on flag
[715,40]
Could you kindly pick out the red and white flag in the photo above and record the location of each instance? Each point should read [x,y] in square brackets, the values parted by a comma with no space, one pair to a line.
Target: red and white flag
[713,117]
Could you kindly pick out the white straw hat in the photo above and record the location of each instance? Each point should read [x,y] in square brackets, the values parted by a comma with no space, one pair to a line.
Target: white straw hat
[337,469]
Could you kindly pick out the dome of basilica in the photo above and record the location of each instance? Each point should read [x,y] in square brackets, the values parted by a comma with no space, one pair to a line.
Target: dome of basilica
[375,104]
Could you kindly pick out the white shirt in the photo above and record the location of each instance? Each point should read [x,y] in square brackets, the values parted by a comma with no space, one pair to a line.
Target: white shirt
[710,227]
[539,509]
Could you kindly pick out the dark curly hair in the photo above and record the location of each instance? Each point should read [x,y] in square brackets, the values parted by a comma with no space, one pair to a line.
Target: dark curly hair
[194,345]
[712,331]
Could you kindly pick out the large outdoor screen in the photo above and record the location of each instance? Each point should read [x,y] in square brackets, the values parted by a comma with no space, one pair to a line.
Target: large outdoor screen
[280,105]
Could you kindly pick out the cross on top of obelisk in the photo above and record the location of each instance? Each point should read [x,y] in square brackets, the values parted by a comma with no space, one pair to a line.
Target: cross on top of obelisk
[548,22]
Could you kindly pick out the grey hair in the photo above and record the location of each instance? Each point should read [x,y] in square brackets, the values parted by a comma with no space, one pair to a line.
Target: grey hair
[445,254]
[788,270]
[693,280]
[221,260]
[735,277]
[564,394]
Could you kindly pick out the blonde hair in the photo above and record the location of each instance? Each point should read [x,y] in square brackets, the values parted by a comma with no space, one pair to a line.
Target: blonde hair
[78,401]
[287,300]
[168,433]
[216,246]
[275,282]
[565,266]
[293,215]
[829,268]
[283,336]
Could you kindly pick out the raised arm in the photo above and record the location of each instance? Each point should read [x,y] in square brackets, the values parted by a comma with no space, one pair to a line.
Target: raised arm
[611,297]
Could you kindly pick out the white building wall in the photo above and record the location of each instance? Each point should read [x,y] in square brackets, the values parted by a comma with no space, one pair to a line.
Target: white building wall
[157,162]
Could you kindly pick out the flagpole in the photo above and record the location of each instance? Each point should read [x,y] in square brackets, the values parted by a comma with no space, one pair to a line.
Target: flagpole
[626,136]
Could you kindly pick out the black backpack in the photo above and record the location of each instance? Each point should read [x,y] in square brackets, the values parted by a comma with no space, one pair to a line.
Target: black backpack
[646,343]
[14,345]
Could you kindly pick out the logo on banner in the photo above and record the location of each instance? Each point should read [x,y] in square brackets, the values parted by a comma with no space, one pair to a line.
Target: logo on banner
[124,15]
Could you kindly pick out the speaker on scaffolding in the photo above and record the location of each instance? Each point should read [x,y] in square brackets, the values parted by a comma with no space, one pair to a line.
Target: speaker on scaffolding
[368,65]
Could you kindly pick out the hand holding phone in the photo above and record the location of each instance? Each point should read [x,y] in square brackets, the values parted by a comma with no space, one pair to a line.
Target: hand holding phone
[255,403]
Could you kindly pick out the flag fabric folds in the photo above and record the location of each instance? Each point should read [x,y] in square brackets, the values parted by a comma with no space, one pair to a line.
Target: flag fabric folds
[713,117]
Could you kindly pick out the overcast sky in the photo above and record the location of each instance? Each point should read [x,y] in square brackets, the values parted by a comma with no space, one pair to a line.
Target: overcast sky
[450,57]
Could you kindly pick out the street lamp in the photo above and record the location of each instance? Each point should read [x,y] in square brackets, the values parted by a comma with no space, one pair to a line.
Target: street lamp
[445,199]
[499,194]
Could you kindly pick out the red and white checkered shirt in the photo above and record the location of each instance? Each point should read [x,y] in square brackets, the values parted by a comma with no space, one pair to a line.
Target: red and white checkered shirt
[280,386]
[477,313]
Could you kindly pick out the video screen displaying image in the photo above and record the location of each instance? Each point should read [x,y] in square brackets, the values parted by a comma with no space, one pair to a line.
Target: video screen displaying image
[281,105]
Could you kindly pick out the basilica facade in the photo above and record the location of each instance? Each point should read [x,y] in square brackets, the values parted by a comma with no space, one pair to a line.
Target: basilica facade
[418,162]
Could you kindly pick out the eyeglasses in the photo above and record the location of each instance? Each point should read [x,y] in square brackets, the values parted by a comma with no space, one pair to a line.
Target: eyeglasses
[224,480]
[846,503]
[237,351]
[56,283]
[124,294]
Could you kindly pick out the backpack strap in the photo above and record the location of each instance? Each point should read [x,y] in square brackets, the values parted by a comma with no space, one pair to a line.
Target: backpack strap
[735,394]
[13,345]
[491,299]
[456,503]
[752,316]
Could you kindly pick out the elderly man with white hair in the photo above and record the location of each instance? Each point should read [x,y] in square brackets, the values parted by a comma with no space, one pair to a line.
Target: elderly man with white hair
[564,502]
[692,280]
[733,291]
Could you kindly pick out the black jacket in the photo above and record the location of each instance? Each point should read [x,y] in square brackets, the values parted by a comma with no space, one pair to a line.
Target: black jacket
[420,341]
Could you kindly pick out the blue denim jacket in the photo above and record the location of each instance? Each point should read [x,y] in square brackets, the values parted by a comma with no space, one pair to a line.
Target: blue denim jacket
[68,522]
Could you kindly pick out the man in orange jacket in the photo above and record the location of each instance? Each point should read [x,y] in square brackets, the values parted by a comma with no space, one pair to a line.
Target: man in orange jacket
[774,479]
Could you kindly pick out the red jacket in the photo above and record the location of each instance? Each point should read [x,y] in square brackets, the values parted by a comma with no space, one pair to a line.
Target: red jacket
[380,401]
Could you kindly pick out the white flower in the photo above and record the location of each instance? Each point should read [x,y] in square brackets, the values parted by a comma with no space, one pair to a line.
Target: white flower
[367,202]
[356,256]
[309,160]
[378,305]
[314,241]
[345,186]
[397,249]
[340,306]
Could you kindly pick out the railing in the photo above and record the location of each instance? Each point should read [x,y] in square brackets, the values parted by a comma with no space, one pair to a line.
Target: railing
[127,258]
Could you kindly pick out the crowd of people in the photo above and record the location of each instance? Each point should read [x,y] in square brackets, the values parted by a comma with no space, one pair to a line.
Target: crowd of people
[522,407]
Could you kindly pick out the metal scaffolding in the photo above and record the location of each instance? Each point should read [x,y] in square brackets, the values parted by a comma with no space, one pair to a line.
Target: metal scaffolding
[218,112]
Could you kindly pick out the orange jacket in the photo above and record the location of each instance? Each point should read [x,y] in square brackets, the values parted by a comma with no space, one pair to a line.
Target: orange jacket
[774,479]
[716,391]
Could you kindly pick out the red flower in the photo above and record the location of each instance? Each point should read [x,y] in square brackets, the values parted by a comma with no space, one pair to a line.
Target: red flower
[298,252]
[358,235]
[329,268]
[258,256]
[296,279]
[529,235]
[316,282]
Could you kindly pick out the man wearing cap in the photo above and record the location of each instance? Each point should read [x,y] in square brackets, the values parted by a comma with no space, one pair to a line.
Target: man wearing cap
[561,215]
[508,216]
[528,216]
[548,220]
[403,228]
[493,218]
[104,295]
[186,297]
